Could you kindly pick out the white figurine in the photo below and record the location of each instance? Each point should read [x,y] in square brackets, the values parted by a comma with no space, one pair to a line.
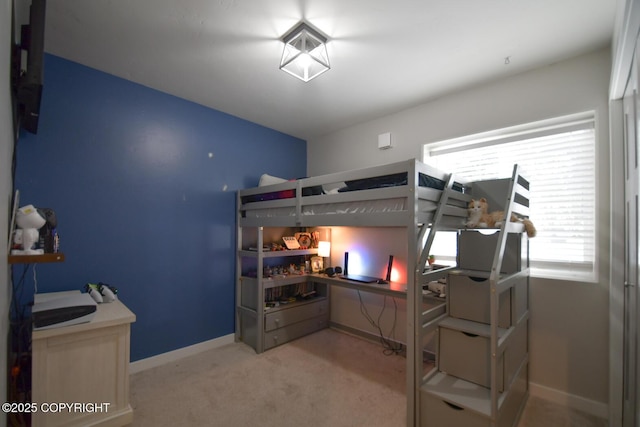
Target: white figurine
[30,221]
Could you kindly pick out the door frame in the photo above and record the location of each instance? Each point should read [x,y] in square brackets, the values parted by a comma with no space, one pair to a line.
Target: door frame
[625,38]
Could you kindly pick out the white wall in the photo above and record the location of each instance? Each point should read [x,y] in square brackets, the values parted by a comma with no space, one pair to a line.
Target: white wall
[569,320]
[6,153]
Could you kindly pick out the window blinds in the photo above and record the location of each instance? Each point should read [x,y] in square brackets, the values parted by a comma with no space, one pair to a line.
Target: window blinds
[559,162]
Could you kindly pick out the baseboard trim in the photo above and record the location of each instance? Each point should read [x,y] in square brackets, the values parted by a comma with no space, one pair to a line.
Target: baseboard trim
[174,355]
[593,407]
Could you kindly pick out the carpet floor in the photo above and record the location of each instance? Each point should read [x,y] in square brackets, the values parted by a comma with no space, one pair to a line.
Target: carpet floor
[328,378]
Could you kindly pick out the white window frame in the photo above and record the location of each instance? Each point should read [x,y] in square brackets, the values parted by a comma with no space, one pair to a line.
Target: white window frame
[554,270]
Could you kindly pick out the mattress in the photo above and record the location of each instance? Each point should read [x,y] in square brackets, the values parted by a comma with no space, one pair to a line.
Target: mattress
[383,181]
[381,191]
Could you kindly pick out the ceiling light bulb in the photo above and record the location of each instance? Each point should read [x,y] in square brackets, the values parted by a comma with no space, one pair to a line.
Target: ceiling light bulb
[305,60]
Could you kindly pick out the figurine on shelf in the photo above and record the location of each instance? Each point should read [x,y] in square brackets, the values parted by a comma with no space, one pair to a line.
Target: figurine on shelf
[30,221]
[315,238]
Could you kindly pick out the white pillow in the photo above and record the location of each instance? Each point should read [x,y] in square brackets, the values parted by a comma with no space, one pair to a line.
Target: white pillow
[266,179]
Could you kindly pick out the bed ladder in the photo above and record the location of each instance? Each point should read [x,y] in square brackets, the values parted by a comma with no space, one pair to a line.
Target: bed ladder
[427,320]
[518,190]
[517,203]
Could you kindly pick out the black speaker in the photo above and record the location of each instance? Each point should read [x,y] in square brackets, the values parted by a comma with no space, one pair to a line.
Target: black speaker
[329,271]
[346,263]
[389,268]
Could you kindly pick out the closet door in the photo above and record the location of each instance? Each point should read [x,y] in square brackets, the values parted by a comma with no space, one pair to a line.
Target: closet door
[630,317]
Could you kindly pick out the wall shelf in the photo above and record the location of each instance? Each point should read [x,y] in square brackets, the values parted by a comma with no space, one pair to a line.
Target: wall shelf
[33,259]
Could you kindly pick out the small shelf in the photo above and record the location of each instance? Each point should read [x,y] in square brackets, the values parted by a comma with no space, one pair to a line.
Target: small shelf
[33,259]
[283,253]
[277,281]
[291,304]
[471,327]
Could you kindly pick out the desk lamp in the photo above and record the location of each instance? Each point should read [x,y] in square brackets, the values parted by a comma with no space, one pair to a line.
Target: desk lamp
[324,251]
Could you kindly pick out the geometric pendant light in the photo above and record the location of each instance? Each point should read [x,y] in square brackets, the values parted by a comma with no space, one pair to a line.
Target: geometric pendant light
[305,53]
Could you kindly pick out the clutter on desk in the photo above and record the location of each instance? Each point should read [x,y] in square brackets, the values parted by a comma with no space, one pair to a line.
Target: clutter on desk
[436,288]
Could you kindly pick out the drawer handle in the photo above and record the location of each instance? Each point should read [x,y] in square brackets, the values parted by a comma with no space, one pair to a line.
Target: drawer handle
[477,279]
[454,407]
[277,320]
[470,334]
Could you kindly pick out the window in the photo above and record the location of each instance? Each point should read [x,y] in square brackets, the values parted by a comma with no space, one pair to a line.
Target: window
[558,158]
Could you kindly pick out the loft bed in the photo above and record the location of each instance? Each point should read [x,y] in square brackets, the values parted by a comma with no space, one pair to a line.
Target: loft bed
[407,194]
[386,195]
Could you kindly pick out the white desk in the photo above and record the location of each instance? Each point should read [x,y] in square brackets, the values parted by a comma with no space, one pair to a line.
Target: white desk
[84,364]
[393,289]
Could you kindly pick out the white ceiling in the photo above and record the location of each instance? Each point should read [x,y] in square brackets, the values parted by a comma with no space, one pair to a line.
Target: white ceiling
[385,55]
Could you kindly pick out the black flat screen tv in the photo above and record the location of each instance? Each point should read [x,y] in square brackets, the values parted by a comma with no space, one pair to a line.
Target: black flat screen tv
[27,75]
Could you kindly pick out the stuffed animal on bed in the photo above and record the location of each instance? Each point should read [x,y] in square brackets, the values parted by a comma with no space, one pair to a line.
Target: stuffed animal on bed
[480,217]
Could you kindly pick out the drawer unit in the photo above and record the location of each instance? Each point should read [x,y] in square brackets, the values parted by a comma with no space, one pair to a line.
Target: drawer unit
[468,356]
[472,385]
[440,413]
[469,299]
[281,318]
[293,331]
[476,251]
[447,408]
[284,324]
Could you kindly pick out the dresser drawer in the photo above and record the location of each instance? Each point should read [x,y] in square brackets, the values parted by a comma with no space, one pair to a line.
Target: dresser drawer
[468,356]
[436,412]
[476,251]
[469,299]
[288,316]
[295,330]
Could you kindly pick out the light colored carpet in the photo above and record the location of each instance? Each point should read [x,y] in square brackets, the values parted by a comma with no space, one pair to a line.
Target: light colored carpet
[325,379]
[542,413]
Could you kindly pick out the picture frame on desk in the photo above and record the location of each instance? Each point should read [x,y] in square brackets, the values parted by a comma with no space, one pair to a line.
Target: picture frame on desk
[317,264]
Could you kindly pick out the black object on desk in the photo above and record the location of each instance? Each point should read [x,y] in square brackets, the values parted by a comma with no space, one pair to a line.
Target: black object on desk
[359,278]
[366,279]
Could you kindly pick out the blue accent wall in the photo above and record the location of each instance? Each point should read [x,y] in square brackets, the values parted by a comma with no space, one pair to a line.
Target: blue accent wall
[144,188]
